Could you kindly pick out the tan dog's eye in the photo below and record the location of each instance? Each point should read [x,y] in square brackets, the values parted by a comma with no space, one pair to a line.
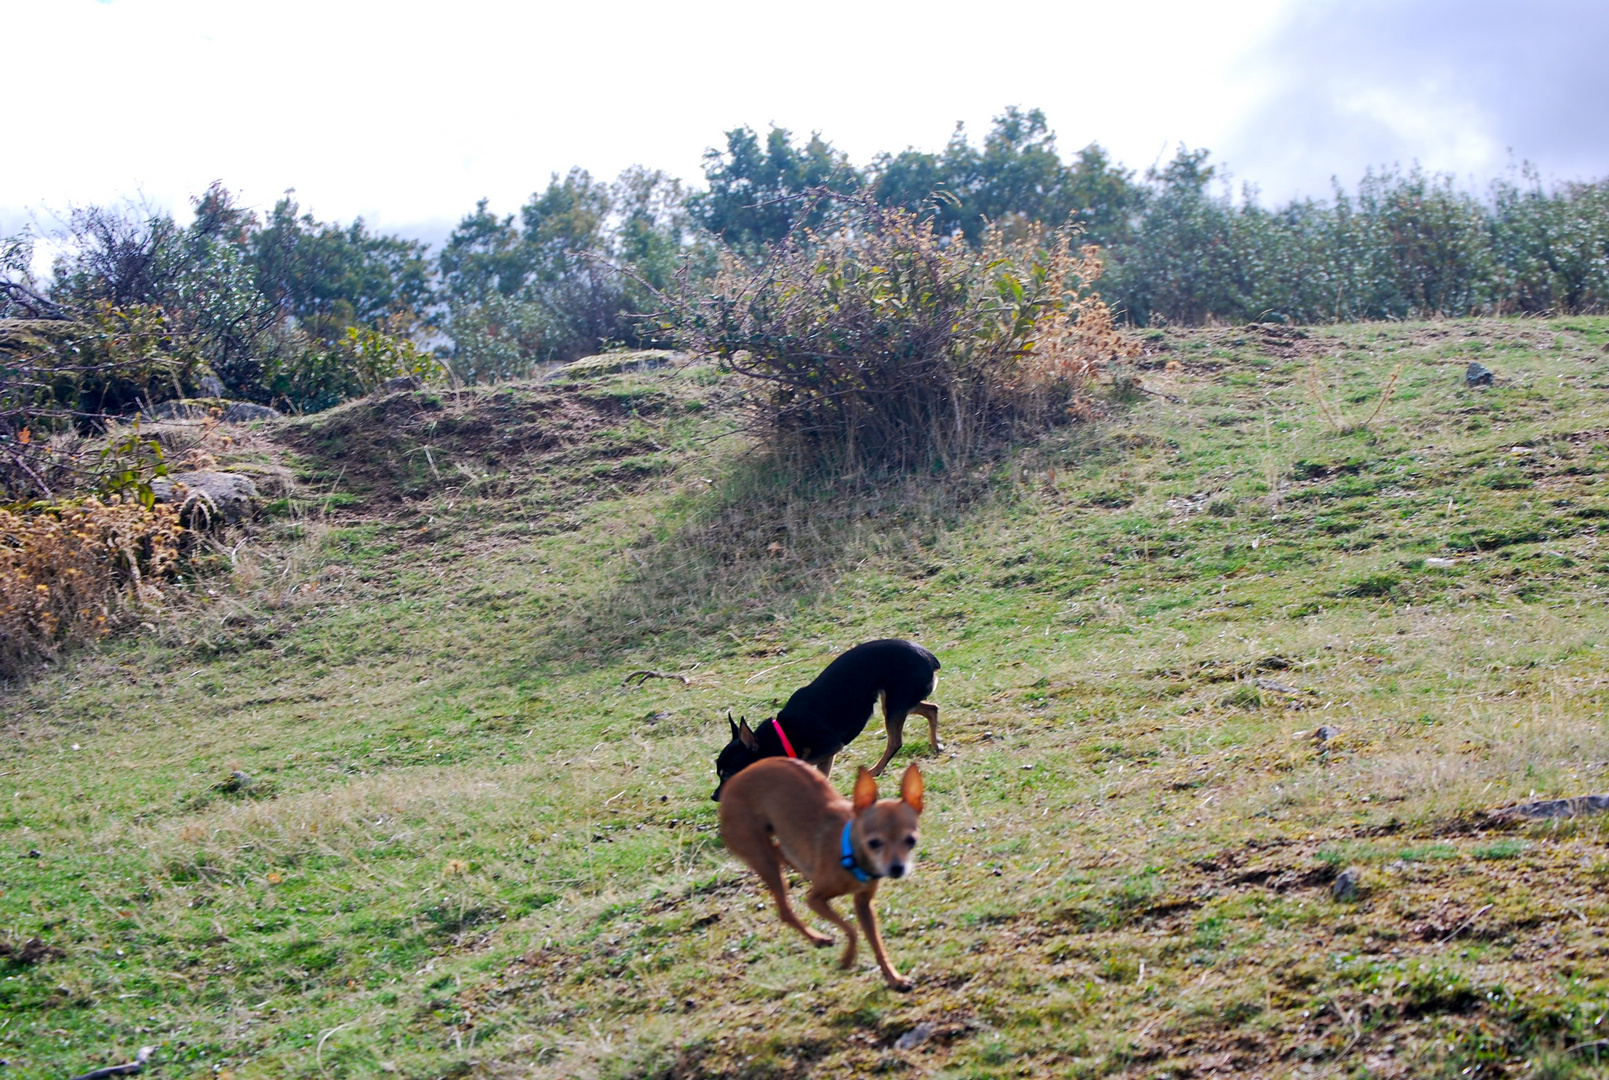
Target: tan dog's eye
[874,843]
[910,841]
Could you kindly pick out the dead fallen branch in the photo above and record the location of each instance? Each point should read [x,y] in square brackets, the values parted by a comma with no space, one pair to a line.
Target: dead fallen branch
[1465,925]
[644,675]
[128,1068]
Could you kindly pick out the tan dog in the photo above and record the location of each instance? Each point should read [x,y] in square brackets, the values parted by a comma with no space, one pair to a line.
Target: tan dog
[781,811]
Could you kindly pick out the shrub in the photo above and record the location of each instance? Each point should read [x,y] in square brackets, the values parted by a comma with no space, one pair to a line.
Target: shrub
[67,571]
[62,379]
[313,377]
[885,346]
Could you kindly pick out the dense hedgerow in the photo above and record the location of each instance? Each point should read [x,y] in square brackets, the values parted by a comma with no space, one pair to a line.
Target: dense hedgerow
[1404,245]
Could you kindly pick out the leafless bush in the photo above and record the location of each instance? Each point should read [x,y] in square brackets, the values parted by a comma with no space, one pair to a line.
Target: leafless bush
[882,346]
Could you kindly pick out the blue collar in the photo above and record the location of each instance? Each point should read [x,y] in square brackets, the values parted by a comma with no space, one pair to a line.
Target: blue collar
[847,860]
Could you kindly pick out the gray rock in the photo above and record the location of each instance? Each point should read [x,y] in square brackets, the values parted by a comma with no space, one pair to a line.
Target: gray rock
[205,498]
[1575,806]
[1276,686]
[614,363]
[1477,375]
[240,412]
[1348,884]
[212,386]
[401,382]
[915,1037]
[272,481]
[1325,732]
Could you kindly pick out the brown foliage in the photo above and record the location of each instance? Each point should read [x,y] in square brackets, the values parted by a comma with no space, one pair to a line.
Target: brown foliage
[68,571]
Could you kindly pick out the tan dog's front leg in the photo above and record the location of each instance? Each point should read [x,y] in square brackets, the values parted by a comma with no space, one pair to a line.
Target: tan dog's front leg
[868,923]
[818,902]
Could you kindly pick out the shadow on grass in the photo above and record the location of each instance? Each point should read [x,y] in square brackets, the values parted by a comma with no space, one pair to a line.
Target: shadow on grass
[757,547]
[767,543]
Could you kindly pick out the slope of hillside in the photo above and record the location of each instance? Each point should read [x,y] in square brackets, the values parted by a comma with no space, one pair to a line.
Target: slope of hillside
[376,796]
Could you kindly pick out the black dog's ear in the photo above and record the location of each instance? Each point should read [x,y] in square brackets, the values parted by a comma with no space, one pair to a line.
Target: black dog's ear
[731,723]
[747,736]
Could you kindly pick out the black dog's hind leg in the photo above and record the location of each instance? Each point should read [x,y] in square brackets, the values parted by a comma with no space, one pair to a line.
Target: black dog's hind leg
[931,711]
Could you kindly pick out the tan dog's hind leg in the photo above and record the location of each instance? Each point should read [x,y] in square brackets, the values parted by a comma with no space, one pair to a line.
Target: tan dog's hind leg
[868,923]
[822,906]
[757,849]
[931,711]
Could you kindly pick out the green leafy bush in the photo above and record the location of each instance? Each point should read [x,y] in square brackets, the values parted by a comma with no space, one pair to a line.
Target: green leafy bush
[312,378]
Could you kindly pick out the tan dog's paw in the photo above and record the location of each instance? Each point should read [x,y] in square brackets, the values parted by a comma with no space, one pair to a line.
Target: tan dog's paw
[820,941]
[901,984]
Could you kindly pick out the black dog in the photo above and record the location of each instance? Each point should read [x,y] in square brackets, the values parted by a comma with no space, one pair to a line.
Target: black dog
[821,719]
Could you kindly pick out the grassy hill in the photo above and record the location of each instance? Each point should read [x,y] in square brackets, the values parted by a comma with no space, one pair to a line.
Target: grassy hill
[374,796]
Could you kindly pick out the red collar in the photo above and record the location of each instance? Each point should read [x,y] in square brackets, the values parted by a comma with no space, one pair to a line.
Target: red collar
[787,747]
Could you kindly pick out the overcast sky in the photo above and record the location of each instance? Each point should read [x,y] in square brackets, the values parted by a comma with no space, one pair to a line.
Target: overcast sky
[406,113]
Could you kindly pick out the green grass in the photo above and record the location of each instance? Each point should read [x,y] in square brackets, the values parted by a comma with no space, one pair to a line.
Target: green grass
[466,848]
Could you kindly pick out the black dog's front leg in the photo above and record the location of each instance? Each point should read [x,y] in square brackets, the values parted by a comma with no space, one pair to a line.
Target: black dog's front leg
[895,726]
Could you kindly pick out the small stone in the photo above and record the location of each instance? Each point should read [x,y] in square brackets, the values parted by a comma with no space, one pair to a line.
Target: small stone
[1276,686]
[1434,563]
[206,497]
[1325,732]
[1347,884]
[689,1004]
[1478,375]
[241,412]
[915,1037]
[402,382]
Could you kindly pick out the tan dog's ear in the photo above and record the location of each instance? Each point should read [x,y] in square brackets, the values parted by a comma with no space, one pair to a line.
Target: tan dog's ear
[910,788]
[746,736]
[865,789]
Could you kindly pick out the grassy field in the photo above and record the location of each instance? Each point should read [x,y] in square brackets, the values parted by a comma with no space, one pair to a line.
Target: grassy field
[372,797]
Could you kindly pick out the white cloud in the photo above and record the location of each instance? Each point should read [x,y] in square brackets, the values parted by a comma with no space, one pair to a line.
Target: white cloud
[1455,85]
